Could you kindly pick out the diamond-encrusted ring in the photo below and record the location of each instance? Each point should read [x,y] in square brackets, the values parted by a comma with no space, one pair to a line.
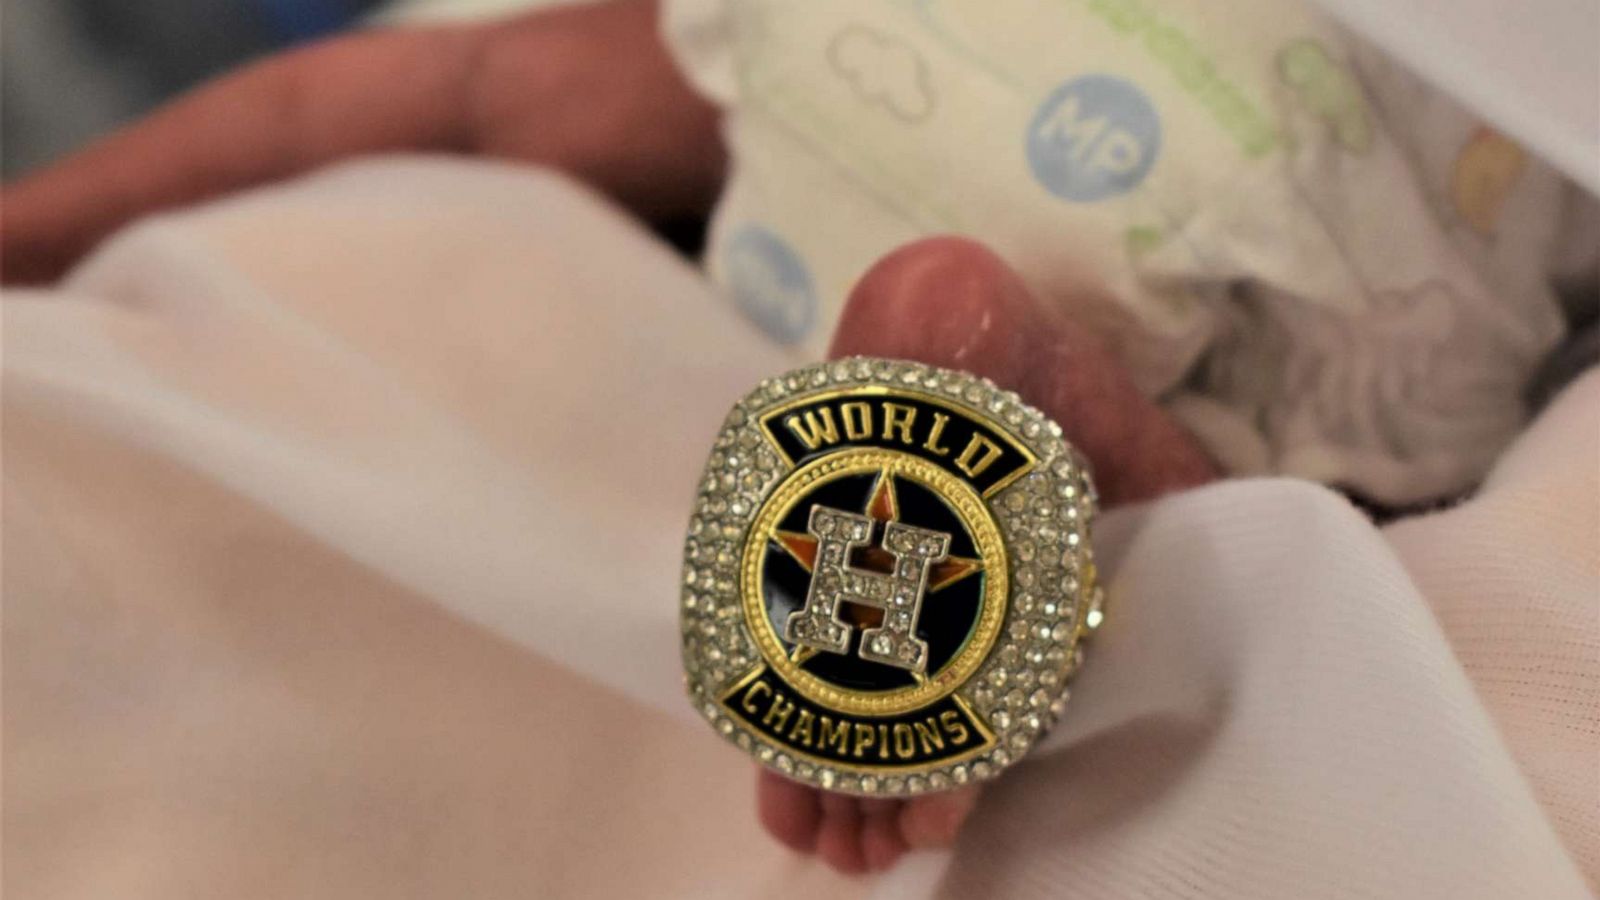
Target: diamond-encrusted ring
[887,577]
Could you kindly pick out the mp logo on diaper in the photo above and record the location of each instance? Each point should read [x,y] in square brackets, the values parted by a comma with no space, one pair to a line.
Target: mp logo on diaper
[887,577]
[1093,138]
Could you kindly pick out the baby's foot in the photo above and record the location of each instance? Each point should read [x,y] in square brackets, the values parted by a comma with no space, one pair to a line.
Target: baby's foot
[951,302]
[853,834]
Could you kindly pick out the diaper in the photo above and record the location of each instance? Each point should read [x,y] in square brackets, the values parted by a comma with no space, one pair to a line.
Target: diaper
[1321,265]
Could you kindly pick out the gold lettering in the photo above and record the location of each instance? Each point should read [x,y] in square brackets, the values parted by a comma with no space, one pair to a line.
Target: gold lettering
[928,734]
[932,443]
[991,452]
[817,430]
[780,711]
[951,720]
[905,741]
[866,736]
[857,420]
[898,418]
[802,728]
[749,700]
[883,742]
[837,734]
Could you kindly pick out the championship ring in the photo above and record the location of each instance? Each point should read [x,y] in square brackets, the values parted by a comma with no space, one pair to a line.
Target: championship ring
[887,577]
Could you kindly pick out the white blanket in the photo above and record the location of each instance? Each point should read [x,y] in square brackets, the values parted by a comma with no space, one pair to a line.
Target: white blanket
[342,526]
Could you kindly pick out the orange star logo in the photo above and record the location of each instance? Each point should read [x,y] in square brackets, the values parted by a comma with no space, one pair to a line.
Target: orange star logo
[882,506]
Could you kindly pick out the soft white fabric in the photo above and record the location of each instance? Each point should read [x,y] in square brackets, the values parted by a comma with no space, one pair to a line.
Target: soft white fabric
[1530,67]
[342,526]
[1324,266]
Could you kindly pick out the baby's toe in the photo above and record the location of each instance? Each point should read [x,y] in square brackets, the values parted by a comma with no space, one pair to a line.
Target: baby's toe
[839,836]
[791,812]
[881,842]
[933,820]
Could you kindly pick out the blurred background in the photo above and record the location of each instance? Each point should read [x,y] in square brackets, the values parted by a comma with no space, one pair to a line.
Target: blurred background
[71,70]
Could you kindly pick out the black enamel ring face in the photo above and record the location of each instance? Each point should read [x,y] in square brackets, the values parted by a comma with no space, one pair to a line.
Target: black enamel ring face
[887,577]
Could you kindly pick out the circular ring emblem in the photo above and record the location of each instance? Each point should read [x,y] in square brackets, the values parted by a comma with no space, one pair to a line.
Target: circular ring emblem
[887,577]
[902,672]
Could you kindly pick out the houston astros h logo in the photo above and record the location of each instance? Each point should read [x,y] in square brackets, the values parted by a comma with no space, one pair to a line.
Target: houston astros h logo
[835,581]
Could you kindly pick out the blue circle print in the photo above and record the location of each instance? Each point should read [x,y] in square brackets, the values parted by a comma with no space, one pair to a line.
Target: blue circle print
[770,283]
[1094,137]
